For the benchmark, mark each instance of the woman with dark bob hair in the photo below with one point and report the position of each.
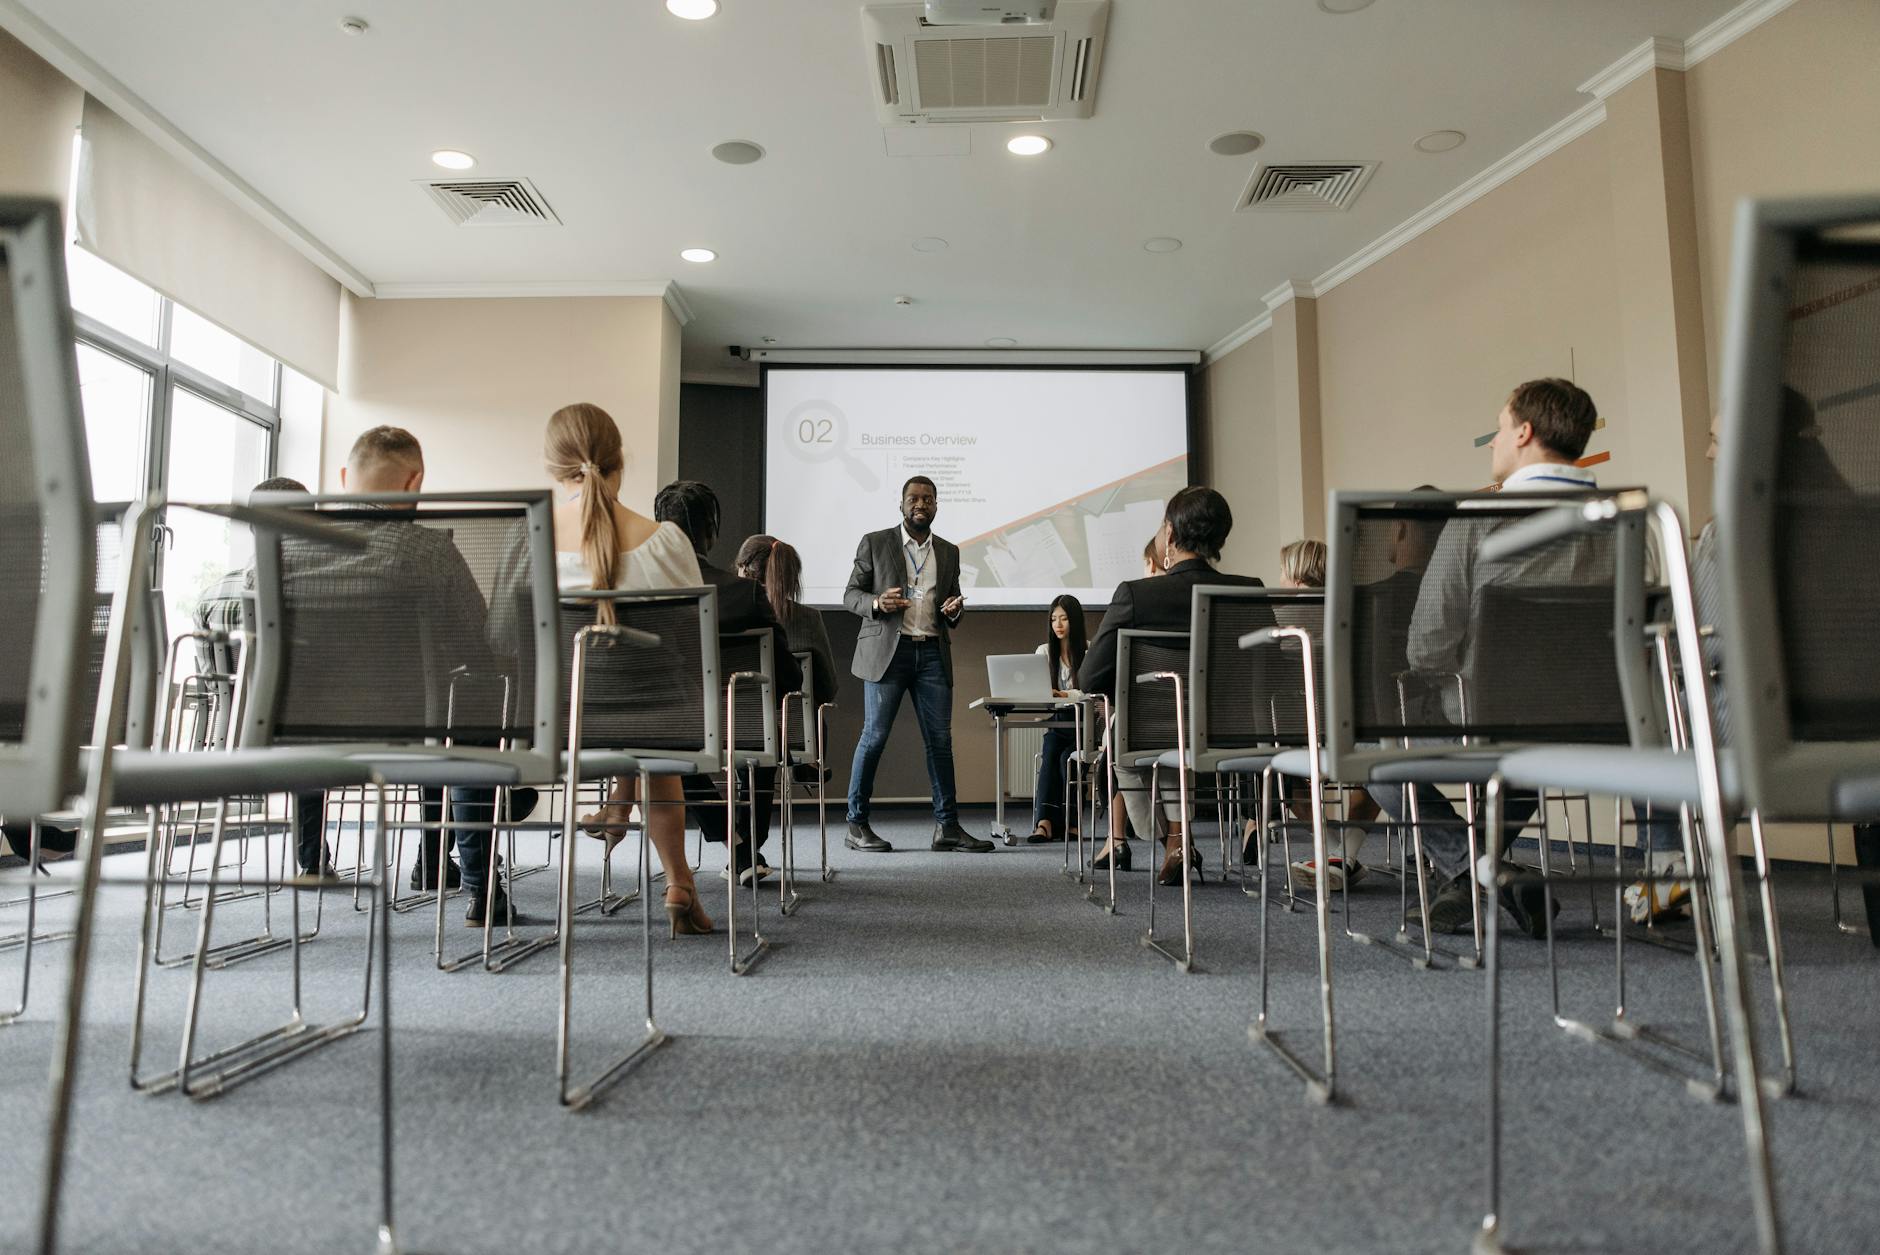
(1065, 647)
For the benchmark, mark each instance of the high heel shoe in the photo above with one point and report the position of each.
(686, 916)
(1171, 873)
(609, 823)
(1118, 850)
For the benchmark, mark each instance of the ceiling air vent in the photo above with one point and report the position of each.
(492, 203)
(985, 72)
(1306, 186)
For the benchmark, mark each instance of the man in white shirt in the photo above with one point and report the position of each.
(906, 589)
(1540, 433)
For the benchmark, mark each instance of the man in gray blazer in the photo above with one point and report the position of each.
(906, 588)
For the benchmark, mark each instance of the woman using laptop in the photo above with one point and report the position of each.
(1064, 647)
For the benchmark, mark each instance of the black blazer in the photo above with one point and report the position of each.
(880, 564)
(742, 606)
(1162, 602)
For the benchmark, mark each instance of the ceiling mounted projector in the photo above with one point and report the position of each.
(988, 12)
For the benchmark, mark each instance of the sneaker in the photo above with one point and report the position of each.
(1339, 872)
(500, 910)
(757, 871)
(453, 875)
(1452, 909)
(1651, 900)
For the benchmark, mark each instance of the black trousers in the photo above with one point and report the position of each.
(706, 805)
(1867, 854)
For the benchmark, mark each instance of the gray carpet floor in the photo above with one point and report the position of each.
(945, 1053)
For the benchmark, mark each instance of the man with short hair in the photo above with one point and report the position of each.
(384, 459)
(905, 588)
(692, 507)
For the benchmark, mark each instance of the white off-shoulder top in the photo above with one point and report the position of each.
(663, 560)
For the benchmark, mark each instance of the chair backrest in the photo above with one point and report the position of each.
(801, 729)
(442, 627)
(645, 700)
(1243, 698)
(1145, 712)
(136, 724)
(752, 651)
(47, 537)
(1798, 500)
(1426, 641)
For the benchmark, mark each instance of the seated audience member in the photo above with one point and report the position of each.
(742, 607)
(1302, 564)
(777, 570)
(222, 609)
(1194, 528)
(421, 567)
(1540, 432)
(1065, 648)
(601, 544)
(1118, 846)
(1152, 557)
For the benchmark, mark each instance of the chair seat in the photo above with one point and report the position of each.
(1211, 762)
(603, 764)
(1858, 797)
(1247, 763)
(440, 769)
(1458, 768)
(1299, 763)
(155, 778)
(1661, 777)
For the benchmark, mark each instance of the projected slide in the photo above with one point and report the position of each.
(1050, 481)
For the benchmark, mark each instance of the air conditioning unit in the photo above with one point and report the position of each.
(1005, 72)
(987, 12)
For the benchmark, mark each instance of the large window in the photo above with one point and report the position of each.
(174, 404)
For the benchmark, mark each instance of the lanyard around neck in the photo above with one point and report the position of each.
(909, 548)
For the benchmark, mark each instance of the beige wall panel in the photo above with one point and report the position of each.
(1417, 353)
(40, 109)
(1237, 424)
(475, 381)
(1792, 109)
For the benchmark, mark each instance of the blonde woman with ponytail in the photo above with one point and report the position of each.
(600, 543)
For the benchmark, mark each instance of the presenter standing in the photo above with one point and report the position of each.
(906, 589)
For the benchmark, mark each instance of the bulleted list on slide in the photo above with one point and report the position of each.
(1050, 481)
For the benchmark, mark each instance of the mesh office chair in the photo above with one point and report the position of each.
(805, 744)
(1151, 684)
(47, 565)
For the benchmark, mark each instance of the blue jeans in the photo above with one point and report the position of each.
(916, 669)
(1446, 841)
(1053, 778)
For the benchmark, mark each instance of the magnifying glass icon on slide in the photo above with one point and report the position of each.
(817, 432)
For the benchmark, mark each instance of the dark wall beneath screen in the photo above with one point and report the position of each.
(721, 443)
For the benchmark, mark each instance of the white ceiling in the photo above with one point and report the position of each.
(612, 106)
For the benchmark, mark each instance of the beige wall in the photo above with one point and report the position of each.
(475, 380)
(1237, 398)
(40, 108)
(1792, 109)
(1417, 353)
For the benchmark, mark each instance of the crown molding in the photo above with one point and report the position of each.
(1237, 337)
(665, 289)
(1292, 289)
(1729, 28)
(65, 57)
(1657, 53)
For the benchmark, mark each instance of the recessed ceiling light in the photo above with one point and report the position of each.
(1340, 7)
(692, 10)
(1028, 145)
(1440, 141)
(1161, 244)
(738, 152)
(452, 159)
(1001, 342)
(698, 254)
(1236, 143)
(931, 244)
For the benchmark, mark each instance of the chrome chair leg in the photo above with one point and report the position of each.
(1772, 935)
(1322, 1085)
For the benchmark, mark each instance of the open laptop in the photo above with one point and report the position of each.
(1018, 677)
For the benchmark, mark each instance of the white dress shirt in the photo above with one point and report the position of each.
(922, 576)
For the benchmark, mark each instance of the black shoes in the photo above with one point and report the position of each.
(862, 837)
(1171, 873)
(950, 836)
(500, 910)
(425, 877)
(1119, 852)
(1452, 909)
